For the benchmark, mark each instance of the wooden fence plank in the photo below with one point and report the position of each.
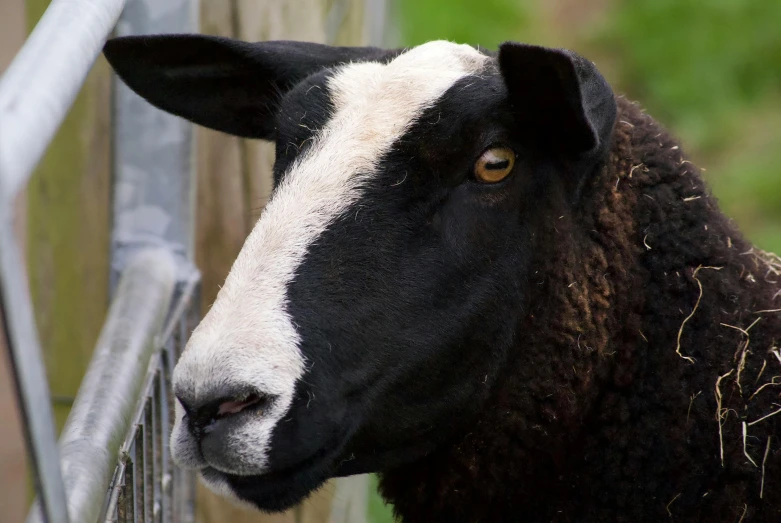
(235, 182)
(221, 220)
(222, 224)
(13, 452)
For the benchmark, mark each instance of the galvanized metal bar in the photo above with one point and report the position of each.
(157, 442)
(161, 442)
(115, 506)
(154, 191)
(166, 472)
(106, 402)
(148, 477)
(151, 419)
(183, 322)
(41, 83)
(138, 478)
(30, 376)
(59, 52)
(154, 202)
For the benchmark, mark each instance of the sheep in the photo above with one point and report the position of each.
(484, 276)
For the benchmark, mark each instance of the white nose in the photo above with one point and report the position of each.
(231, 391)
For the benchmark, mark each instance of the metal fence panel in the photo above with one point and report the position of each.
(41, 83)
(146, 485)
(113, 450)
(30, 375)
(124, 401)
(154, 189)
(104, 407)
(59, 52)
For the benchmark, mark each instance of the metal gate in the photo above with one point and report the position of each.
(112, 461)
(116, 433)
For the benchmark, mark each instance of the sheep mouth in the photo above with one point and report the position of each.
(279, 490)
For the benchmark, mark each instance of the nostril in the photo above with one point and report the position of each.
(202, 417)
(235, 406)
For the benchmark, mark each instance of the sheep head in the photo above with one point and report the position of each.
(372, 308)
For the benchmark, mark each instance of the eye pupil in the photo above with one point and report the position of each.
(497, 166)
(494, 165)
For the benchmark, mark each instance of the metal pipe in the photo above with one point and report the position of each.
(154, 175)
(106, 402)
(35, 93)
(30, 375)
(41, 83)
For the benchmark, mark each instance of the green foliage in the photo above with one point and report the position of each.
(379, 512)
(696, 62)
(711, 70)
(486, 23)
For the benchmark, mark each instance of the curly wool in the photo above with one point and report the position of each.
(645, 356)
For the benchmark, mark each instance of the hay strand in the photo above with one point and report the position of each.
(764, 460)
(721, 415)
(745, 508)
(696, 306)
(745, 452)
(766, 416)
(671, 502)
(744, 351)
(691, 402)
(761, 371)
(771, 383)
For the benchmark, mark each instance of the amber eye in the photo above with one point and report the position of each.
(494, 165)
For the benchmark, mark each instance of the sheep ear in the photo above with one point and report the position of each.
(224, 84)
(559, 98)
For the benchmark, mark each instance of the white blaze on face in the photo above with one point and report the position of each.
(247, 338)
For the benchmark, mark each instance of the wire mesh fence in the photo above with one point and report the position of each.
(147, 486)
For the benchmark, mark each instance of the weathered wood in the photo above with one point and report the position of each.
(272, 20)
(234, 184)
(13, 453)
(222, 224)
(221, 218)
(351, 500)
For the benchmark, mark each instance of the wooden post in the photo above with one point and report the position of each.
(13, 452)
(234, 183)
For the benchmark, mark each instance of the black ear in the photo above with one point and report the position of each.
(224, 84)
(560, 99)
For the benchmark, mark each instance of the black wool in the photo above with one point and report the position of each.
(643, 381)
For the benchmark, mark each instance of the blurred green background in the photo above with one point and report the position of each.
(709, 70)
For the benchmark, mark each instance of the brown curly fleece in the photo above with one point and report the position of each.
(603, 415)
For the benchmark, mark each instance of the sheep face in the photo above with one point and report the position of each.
(371, 309)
